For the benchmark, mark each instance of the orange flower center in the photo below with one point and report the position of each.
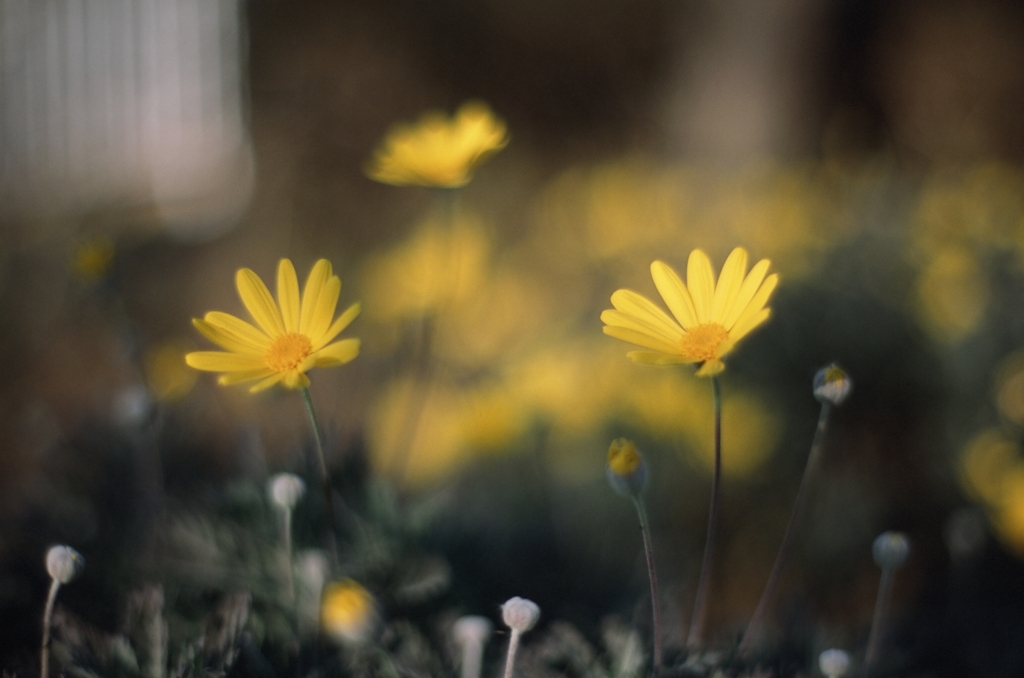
(288, 352)
(701, 342)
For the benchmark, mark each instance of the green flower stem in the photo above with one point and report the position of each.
(325, 478)
(47, 622)
(290, 577)
(696, 636)
(878, 620)
(810, 470)
(652, 575)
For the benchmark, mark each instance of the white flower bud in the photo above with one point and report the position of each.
(472, 630)
(520, 614)
(286, 489)
(891, 549)
(471, 633)
(832, 384)
(63, 563)
(834, 663)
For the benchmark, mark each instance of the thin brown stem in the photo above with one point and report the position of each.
(696, 636)
(768, 596)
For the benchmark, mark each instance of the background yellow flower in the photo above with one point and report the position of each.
(437, 150)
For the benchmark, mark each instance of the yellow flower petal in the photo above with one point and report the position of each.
(295, 379)
(323, 314)
(758, 301)
(746, 325)
(288, 295)
(654, 358)
(338, 326)
(268, 382)
(639, 306)
(700, 280)
(318, 277)
(620, 319)
(729, 282)
(673, 291)
(239, 329)
(224, 339)
(640, 339)
(240, 377)
(746, 293)
(710, 368)
(218, 361)
(258, 302)
(338, 353)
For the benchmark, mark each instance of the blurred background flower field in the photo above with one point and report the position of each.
(873, 151)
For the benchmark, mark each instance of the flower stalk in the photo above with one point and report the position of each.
(696, 636)
(768, 596)
(831, 387)
(652, 575)
(890, 551)
(325, 478)
(520, 615)
(63, 564)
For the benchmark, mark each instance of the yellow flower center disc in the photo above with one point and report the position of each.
(623, 457)
(288, 351)
(701, 342)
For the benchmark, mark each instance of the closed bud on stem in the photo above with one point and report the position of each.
(627, 469)
(890, 550)
(832, 384)
(834, 663)
(286, 489)
(520, 614)
(64, 563)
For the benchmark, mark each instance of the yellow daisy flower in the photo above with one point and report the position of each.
(348, 612)
(438, 151)
(709, 319)
(292, 337)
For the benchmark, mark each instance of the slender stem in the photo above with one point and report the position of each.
(472, 659)
(645, 529)
(47, 621)
(290, 577)
(696, 636)
(878, 621)
(325, 479)
(810, 470)
(513, 646)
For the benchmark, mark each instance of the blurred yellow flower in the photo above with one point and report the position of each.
(457, 424)
(1010, 388)
(989, 459)
(439, 265)
(438, 151)
(292, 337)
(167, 376)
(953, 293)
(348, 612)
(92, 259)
(711, 319)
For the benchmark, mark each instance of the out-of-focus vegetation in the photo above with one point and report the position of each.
(871, 151)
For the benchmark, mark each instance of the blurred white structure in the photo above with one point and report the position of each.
(124, 105)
